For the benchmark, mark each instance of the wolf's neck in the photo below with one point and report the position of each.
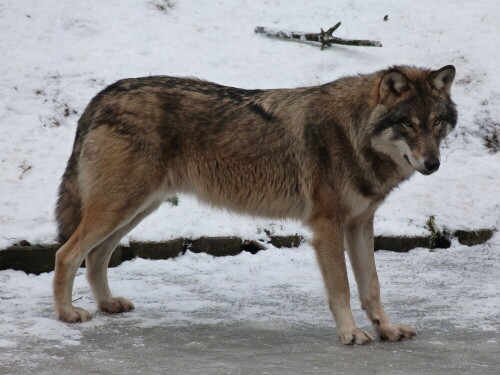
(384, 173)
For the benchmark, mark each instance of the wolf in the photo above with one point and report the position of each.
(327, 155)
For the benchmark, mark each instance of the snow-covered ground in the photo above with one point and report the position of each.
(57, 55)
(262, 301)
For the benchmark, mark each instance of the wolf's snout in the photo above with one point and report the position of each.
(432, 165)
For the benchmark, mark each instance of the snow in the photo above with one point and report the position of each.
(56, 56)
(441, 291)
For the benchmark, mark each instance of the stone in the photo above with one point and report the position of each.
(217, 246)
(285, 241)
(30, 259)
(158, 250)
(473, 237)
(401, 244)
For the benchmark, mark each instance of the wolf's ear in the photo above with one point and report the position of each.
(393, 83)
(443, 78)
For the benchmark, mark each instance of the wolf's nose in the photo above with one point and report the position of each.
(432, 165)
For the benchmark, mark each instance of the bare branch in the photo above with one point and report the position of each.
(325, 38)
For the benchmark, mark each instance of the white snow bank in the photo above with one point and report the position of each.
(56, 55)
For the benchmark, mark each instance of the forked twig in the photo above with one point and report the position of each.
(325, 38)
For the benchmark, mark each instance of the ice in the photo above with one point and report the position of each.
(228, 312)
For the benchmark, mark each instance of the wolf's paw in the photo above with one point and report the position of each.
(395, 332)
(116, 305)
(74, 315)
(355, 336)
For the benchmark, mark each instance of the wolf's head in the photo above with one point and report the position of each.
(414, 112)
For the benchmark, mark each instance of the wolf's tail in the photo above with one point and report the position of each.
(69, 203)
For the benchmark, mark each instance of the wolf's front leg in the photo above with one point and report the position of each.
(328, 243)
(360, 247)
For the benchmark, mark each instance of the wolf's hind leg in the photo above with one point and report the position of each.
(91, 231)
(96, 263)
(68, 258)
(119, 177)
(97, 267)
(100, 220)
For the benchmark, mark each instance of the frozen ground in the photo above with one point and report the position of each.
(263, 313)
(57, 55)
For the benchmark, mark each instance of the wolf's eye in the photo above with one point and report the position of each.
(437, 121)
(407, 124)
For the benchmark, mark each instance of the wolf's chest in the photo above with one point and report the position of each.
(358, 204)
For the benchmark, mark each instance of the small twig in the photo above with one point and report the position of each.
(79, 298)
(452, 151)
(355, 42)
(25, 169)
(325, 38)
